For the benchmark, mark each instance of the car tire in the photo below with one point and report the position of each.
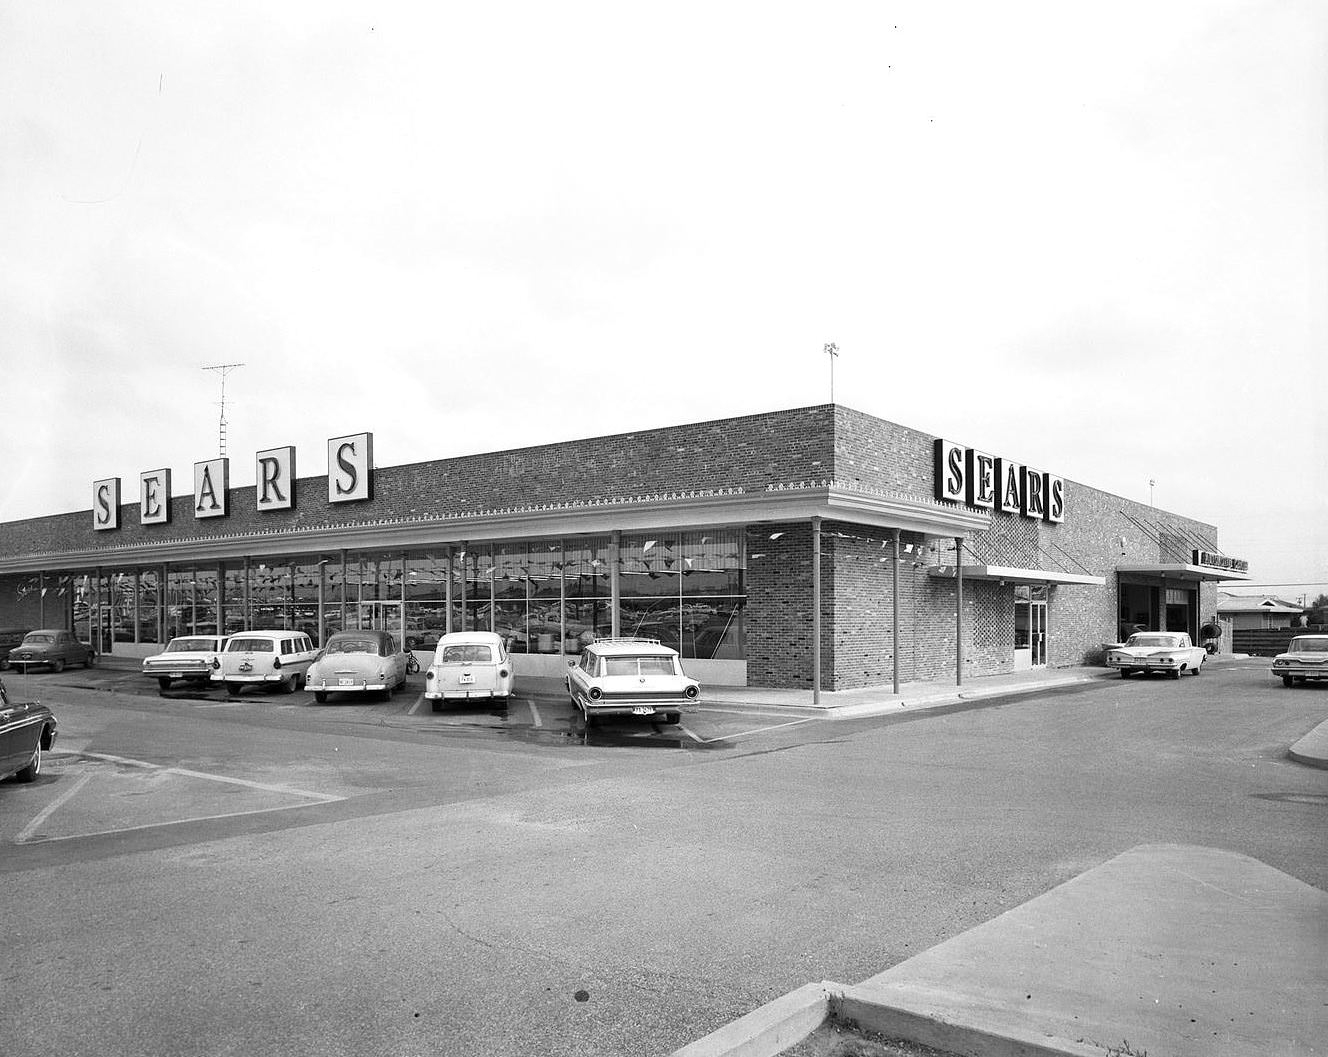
(673, 717)
(1175, 673)
(1198, 668)
(58, 665)
(1125, 673)
(233, 689)
(30, 772)
(4, 664)
(320, 696)
(89, 660)
(163, 682)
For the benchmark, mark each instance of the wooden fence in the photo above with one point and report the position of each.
(1269, 642)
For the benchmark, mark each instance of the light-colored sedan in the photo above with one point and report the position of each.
(188, 657)
(1306, 660)
(356, 662)
(1171, 652)
(469, 665)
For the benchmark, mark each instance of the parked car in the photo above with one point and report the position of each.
(630, 677)
(9, 638)
(1157, 651)
(27, 730)
(188, 657)
(468, 665)
(356, 662)
(51, 648)
(278, 657)
(1305, 660)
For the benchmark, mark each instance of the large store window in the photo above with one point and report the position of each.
(686, 591)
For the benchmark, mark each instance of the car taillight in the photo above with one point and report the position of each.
(216, 662)
(428, 675)
(691, 692)
(596, 693)
(276, 663)
(502, 673)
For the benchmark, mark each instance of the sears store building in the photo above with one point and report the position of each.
(815, 547)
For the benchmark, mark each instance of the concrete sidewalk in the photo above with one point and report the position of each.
(1172, 950)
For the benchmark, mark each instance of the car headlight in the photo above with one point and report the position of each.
(596, 693)
(691, 692)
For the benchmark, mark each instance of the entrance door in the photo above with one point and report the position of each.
(1030, 627)
(382, 616)
(102, 637)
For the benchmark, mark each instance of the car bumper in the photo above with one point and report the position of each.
(1302, 671)
(179, 673)
(343, 688)
(608, 706)
(1145, 665)
(247, 677)
(462, 694)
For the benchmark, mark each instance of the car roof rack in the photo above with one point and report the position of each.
(637, 639)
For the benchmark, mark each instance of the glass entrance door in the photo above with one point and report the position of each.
(382, 616)
(1030, 627)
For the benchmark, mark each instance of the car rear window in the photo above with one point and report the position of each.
(1309, 646)
(469, 653)
(638, 666)
(1154, 640)
(243, 645)
(353, 646)
(190, 645)
(38, 638)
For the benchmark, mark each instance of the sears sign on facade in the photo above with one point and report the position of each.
(349, 479)
(966, 475)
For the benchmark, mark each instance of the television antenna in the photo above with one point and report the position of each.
(224, 369)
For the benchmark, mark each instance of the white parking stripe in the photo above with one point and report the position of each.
(50, 809)
(758, 730)
(534, 714)
(325, 798)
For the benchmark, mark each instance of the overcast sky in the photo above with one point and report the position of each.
(1090, 237)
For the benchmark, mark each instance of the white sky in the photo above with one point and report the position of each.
(1090, 237)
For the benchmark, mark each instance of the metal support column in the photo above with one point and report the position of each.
(615, 553)
(959, 611)
(447, 595)
(894, 628)
(816, 610)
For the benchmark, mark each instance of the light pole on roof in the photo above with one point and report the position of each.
(832, 350)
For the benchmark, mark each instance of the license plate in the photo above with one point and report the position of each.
(642, 710)
(345, 682)
(465, 677)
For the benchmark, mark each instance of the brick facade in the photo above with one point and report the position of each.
(750, 456)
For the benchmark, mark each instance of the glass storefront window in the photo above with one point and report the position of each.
(711, 563)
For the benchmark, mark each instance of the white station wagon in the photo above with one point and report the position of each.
(469, 665)
(630, 677)
(1157, 651)
(1306, 660)
(278, 657)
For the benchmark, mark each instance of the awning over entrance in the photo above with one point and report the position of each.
(1183, 571)
(1010, 575)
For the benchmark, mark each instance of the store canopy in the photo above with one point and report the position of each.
(1010, 575)
(1184, 571)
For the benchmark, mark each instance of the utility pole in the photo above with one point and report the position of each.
(224, 369)
(1151, 482)
(832, 350)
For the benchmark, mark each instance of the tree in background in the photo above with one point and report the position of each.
(1318, 611)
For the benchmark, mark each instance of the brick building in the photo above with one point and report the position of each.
(781, 549)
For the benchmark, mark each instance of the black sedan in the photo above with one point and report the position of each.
(51, 648)
(27, 730)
